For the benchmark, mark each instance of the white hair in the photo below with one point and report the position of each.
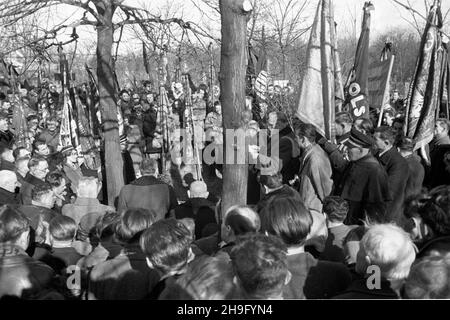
(87, 187)
(390, 248)
(7, 180)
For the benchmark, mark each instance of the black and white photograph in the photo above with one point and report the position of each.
(245, 151)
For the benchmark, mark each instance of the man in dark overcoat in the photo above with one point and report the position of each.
(364, 182)
(396, 168)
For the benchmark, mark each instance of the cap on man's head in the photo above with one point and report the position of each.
(359, 140)
(66, 149)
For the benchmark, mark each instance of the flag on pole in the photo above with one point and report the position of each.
(338, 82)
(251, 69)
(425, 92)
(317, 91)
(378, 85)
(262, 71)
(262, 58)
(357, 83)
(444, 111)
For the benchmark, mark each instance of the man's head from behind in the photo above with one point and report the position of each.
(8, 180)
(14, 227)
(88, 187)
(62, 229)
(239, 220)
(287, 218)
(166, 244)
(43, 196)
(435, 211)
(133, 222)
(149, 167)
(260, 265)
(335, 208)
(429, 278)
(198, 189)
(387, 247)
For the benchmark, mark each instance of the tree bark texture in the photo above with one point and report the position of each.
(233, 66)
(108, 104)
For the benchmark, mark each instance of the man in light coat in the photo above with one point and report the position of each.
(315, 169)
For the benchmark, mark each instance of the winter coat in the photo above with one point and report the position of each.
(364, 184)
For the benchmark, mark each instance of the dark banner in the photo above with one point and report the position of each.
(357, 84)
(425, 91)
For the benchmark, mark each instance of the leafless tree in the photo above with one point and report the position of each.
(107, 16)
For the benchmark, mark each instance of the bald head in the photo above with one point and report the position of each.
(239, 220)
(198, 189)
(8, 180)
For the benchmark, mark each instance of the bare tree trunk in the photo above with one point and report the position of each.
(108, 105)
(232, 87)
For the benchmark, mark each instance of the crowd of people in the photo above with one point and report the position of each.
(362, 217)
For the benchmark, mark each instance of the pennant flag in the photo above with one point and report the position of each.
(357, 84)
(378, 84)
(444, 111)
(251, 69)
(261, 65)
(317, 91)
(425, 92)
(93, 103)
(338, 82)
(65, 133)
(261, 83)
(262, 71)
(19, 123)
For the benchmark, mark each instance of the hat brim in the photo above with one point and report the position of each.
(351, 144)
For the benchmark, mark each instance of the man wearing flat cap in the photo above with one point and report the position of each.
(364, 182)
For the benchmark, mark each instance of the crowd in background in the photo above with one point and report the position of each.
(314, 227)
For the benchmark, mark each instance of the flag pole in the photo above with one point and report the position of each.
(386, 90)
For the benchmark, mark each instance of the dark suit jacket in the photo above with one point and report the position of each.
(199, 209)
(126, 277)
(149, 193)
(416, 175)
(364, 184)
(359, 290)
(21, 275)
(7, 197)
(313, 279)
(6, 139)
(438, 174)
(397, 170)
(289, 153)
